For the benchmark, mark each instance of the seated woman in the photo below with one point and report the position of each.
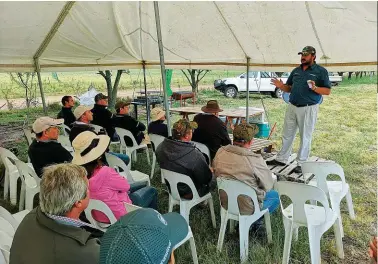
(157, 125)
(105, 183)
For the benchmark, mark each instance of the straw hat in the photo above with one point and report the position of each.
(88, 147)
(211, 107)
(157, 113)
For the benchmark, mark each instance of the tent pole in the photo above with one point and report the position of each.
(38, 69)
(145, 92)
(247, 100)
(162, 66)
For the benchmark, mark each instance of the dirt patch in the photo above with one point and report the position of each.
(11, 132)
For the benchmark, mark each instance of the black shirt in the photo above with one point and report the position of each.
(131, 124)
(45, 153)
(158, 128)
(67, 115)
(103, 117)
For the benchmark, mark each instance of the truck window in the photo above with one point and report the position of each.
(252, 74)
(265, 75)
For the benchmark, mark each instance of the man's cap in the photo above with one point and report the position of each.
(307, 50)
(123, 103)
(245, 132)
(100, 96)
(81, 109)
(212, 106)
(157, 113)
(143, 236)
(182, 126)
(45, 122)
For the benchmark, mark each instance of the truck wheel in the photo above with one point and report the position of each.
(277, 93)
(230, 92)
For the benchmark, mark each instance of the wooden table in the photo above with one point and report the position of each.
(231, 112)
(182, 96)
(285, 173)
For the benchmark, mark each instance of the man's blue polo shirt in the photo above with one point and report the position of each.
(300, 93)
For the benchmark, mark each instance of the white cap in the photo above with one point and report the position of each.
(45, 122)
(81, 109)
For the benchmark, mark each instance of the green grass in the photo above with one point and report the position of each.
(346, 132)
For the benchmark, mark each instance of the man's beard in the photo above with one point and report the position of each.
(306, 62)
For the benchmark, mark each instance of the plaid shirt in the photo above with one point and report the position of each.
(68, 221)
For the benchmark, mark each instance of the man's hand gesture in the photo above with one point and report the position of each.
(278, 83)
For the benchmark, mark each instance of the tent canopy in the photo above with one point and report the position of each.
(79, 36)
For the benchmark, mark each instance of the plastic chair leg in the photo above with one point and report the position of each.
(148, 156)
(29, 198)
(243, 237)
(232, 226)
(193, 250)
(185, 211)
(170, 204)
(6, 184)
(153, 165)
(350, 205)
(314, 241)
(338, 237)
(21, 204)
(13, 188)
(222, 230)
(211, 205)
(268, 227)
(288, 237)
(295, 233)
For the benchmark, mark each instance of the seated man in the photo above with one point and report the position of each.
(45, 149)
(123, 120)
(147, 237)
(157, 125)
(211, 130)
(52, 232)
(102, 116)
(178, 154)
(66, 112)
(238, 162)
(84, 117)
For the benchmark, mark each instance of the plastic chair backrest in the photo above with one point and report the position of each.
(97, 128)
(233, 189)
(204, 149)
(299, 194)
(321, 170)
(28, 175)
(4, 214)
(131, 207)
(66, 130)
(156, 140)
(99, 206)
(174, 178)
(5, 154)
(122, 133)
(5, 245)
(64, 141)
(29, 135)
(117, 164)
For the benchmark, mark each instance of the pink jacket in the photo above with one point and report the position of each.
(108, 186)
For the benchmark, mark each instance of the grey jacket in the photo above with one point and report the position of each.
(185, 158)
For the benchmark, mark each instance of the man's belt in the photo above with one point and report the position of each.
(302, 105)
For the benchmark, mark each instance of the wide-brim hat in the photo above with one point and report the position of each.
(143, 236)
(157, 113)
(88, 147)
(211, 107)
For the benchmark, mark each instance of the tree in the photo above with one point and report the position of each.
(195, 77)
(112, 89)
(26, 81)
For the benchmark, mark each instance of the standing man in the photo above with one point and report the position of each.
(102, 116)
(66, 112)
(306, 85)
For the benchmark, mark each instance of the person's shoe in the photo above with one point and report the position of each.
(275, 163)
(298, 169)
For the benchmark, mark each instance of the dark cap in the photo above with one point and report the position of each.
(307, 50)
(100, 96)
(245, 132)
(123, 103)
(143, 236)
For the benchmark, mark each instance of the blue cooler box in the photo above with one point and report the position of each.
(264, 130)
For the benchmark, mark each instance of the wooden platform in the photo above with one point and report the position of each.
(285, 173)
(258, 144)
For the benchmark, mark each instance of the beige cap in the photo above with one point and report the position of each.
(81, 109)
(44, 122)
(157, 113)
(88, 146)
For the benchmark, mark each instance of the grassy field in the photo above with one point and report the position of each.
(346, 132)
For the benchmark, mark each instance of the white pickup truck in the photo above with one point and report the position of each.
(258, 82)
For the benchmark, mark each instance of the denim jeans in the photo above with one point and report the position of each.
(143, 196)
(271, 201)
(123, 157)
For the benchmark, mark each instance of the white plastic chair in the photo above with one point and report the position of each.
(131, 176)
(173, 179)
(30, 136)
(318, 219)
(204, 149)
(65, 129)
(98, 205)
(234, 189)
(130, 151)
(11, 175)
(335, 190)
(30, 185)
(99, 128)
(156, 140)
(65, 142)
